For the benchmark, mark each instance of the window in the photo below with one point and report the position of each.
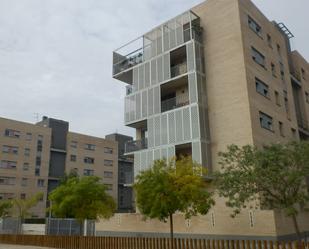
(108, 174)
(73, 158)
(6, 196)
(7, 180)
(12, 133)
(89, 147)
(108, 150)
(38, 161)
(73, 144)
(281, 130)
(88, 172)
(261, 87)
(269, 41)
(307, 97)
(108, 162)
(10, 149)
(27, 152)
(28, 136)
(273, 69)
(40, 183)
(277, 97)
(254, 26)
(286, 102)
(293, 132)
(24, 181)
(303, 73)
(39, 146)
(89, 160)
(251, 219)
(282, 70)
(258, 57)
(26, 166)
(279, 49)
(8, 164)
(266, 121)
(23, 196)
(40, 137)
(37, 171)
(109, 186)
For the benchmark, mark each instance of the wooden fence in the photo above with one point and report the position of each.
(78, 242)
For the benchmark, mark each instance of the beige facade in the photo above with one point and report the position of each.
(256, 93)
(25, 160)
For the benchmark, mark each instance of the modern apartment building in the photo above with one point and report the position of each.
(125, 174)
(218, 74)
(34, 157)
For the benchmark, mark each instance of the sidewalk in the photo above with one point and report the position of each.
(6, 246)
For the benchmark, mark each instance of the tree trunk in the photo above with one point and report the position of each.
(296, 229)
(172, 230)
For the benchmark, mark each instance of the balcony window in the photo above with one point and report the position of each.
(10, 149)
(29, 136)
(7, 180)
(73, 158)
(277, 97)
(273, 69)
(40, 183)
(89, 147)
(108, 150)
(178, 61)
(89, 160)
(5, 164)
(266, 121)
(261, 88)
(269, 41)
(254, 26)
(26, 166)
(12, 133)
(135, 145)
(73, 144)
(108, 174)
(88, 172)
(258, 57)
(108, 162)
(27, 152)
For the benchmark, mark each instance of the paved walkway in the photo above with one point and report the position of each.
(5, 246)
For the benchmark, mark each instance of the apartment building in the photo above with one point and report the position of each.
(125, 174)
(34, 157)
(218, 74)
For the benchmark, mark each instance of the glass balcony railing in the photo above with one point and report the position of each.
(178, 69)
(173, 103)
(136, 145)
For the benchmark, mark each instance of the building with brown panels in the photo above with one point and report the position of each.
(34, 157)
(218, 74)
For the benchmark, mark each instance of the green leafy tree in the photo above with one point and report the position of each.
(23, 206)
(5, 208)
(82, 198)
(170, 187)
(273, 177)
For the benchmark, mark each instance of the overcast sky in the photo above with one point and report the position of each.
(56, 55)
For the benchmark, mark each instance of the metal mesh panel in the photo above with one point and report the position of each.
(138, 106)
(126, 109)
(170, 152)
(195, 122)
(166, 38)
(173, 38)
(160, 69)
(143, 161)
(150, 158)
(171, 127)
(164, 153)
(202, 122)
(196, 152)
(137, 166)
(144, 104)
(141, 79)
(179, 31)
(179, 131)
(132, 108)
(135, 78)
(186, 124)
(156, 154)
(153, 48)
(154, 72)
(164, 135)
(157, 131)
(204, 155)
(150, 101)
(166, 65)
(159, 45)
(157, 101)
(150, 133)
(198, 57)
(147, 74)
(190, 57)
(192, 88)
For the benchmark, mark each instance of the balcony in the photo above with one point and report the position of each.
(136, 145)
(179, 69)
(173, 103)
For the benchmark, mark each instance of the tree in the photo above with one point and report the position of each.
(82, 198)
(170, 187)
(23, 206)
(274, 177)
(5, 208)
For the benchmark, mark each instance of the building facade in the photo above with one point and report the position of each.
(218, 74)
(34, 157)
(125, 174)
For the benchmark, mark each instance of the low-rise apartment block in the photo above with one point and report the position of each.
(34, 157)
